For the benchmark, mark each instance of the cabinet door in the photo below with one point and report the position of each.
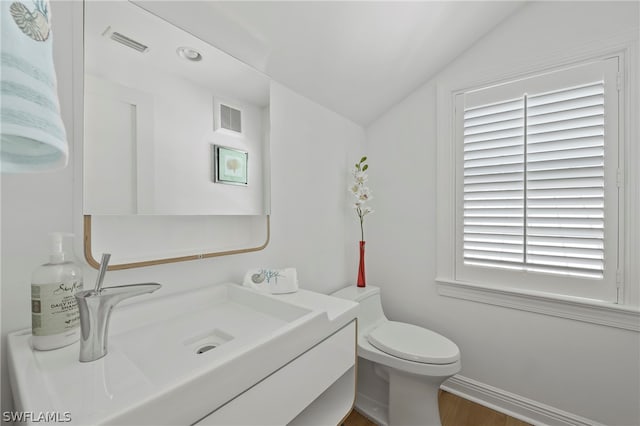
(280, 397)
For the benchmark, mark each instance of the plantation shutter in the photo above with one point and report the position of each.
(538, 188)
(534, 182)
(565, 181)
(494, 185)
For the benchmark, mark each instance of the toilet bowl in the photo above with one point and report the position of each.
(412, 360)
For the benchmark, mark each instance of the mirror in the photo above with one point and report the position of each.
(172, 125)
(174, 136)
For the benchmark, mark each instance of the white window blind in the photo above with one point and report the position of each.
(494, 184)
(565, 181)
(533, 172)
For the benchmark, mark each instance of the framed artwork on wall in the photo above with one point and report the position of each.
(230, 165)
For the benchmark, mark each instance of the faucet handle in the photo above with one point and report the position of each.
(104, 263)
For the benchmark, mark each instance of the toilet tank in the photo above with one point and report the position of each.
(370, 309)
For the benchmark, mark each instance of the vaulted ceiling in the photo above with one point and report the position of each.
(355, 58)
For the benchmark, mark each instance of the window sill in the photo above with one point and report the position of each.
(611, 315)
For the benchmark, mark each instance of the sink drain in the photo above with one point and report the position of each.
(204, 342)
(205, 348)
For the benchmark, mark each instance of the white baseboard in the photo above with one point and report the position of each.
(513, 405)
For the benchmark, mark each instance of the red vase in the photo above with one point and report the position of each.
(362, 281)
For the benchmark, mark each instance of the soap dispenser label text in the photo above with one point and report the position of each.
(54, 308)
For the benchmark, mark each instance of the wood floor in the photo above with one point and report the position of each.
(454, 411)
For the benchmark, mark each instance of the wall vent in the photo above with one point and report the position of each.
(230, 118)
(129, 42)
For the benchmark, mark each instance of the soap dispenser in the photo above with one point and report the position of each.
(55, 321)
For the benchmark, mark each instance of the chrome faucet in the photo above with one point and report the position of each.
(95, 308)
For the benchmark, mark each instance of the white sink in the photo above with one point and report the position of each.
(174, 359)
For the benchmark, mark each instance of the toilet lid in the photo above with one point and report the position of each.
(413, 343)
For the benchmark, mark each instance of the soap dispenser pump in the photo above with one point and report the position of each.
(55, 321)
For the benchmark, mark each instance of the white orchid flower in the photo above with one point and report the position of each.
(361, 178)
(361, 192)
(364, 194)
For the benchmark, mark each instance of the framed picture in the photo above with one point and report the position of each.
(230, 165)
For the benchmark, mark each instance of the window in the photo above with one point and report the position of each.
(537, 192)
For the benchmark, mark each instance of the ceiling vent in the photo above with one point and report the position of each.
(129, 42)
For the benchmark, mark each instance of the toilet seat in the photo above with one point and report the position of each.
(413, 343)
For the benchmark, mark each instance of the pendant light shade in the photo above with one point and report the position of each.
(33, 134)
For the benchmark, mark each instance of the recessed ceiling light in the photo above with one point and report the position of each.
(189, 54)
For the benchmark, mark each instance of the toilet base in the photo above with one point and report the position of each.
(413, 400)
(374, 410)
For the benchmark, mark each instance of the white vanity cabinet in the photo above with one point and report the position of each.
(317, 387)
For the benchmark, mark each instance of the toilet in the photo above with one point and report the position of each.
(411, 361)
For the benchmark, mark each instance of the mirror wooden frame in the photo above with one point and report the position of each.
(91, 260)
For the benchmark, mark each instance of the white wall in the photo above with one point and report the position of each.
(585, 369)
(311, 148)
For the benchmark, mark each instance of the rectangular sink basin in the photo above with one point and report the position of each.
(170, 360)
(230, 317)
